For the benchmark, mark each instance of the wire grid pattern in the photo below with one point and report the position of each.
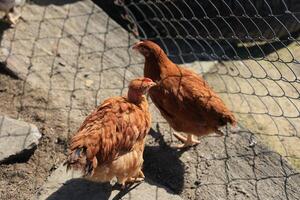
(255, 44)
(75, 56)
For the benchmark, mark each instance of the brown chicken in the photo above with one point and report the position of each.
(184, 99)
(111, 140)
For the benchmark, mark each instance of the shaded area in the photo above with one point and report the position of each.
(80, 189)
(7, 71)
(210, 30)
(118, 13)
(183, 51)
(21, 157)
(3, 69)
(3, 26)
(69, 185)
(218, 168)
(162, 163)
(233, 20)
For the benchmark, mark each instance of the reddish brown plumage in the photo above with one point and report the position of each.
(184, 99)
(110, 141)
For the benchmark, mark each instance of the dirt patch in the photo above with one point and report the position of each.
(20, 180)
(73, 61)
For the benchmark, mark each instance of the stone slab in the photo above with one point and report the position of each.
(16, 137)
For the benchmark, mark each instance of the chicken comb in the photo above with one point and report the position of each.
(137, 44)
(147, 80)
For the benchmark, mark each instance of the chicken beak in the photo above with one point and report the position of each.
(152, 84)
(149, 86)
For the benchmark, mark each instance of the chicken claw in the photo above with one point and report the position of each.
(188, 141)
(140, 177)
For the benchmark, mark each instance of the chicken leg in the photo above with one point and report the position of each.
(126, 181)
(188, 141)
(140, 177)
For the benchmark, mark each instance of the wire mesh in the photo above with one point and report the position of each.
(70, 55)
(255, 44)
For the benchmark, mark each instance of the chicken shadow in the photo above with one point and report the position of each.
(162, 164)
(80, 189)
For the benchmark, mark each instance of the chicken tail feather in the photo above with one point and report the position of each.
(78, 160)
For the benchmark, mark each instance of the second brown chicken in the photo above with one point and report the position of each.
(184, 98)
(111, 140)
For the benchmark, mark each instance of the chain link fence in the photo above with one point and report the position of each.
(255, 44)
(65, 57)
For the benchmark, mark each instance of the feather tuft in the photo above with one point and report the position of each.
(78, 160)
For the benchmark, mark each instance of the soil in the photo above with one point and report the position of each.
(69, 56)
(21, 180)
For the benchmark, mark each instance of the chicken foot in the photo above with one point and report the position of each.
(126, 181)
(188, 141)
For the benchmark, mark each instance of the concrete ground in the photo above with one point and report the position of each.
(66, 57)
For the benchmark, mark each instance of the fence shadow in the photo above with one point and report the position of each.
(186, 39)
(118, 14)
(183, 51)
